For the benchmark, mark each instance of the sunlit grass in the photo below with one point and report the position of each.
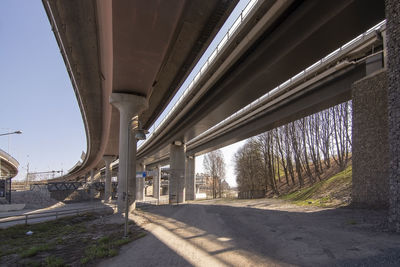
(307, 196)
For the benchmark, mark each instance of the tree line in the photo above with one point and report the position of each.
(295, 151)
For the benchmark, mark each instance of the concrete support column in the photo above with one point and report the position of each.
(156, 183)
(129, 107)
(91, 189)
(190, 178)
(140, 183)
(370, 142)
(92, 173)
(177, 176)
(107, 185)
(393, 64)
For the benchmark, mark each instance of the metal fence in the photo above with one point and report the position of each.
(250, 194)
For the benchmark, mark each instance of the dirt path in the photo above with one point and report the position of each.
(259, 232)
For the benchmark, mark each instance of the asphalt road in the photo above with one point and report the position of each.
(50, 212)
(259, 233)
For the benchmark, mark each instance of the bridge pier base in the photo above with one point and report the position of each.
(393, 56)
(129, 107)
(190, 178)
(376, 129)
(370, 142)
(177, 177)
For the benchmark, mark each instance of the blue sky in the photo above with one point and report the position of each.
(37, 96)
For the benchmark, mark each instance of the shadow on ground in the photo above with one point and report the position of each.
(208, 233)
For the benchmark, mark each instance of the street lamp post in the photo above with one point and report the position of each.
(16, 132)
(139, 134)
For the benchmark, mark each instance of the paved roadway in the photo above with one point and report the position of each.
(259, 233)
(59, 207)
(52, 210)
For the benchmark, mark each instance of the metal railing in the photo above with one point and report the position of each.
(52, 214)
(161, 201)
(210, 60)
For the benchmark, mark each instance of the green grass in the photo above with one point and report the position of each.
(53, 261)
(45, 236)
(32, 251)
(51, 238)
(32, 263)
(107, 246)
(352, 222)
(309, 196)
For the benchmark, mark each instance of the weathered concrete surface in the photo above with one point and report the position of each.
(107, 186)
(177, 177)
(33, 199)
(190, 181)
(11, 207)
(370, 142)
(393, 53)
(266, 232)
(157, 183)
(129, 106)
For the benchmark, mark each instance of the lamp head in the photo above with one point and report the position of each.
(141, 134)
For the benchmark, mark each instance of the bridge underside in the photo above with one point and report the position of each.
(144, 48)
(297, 39)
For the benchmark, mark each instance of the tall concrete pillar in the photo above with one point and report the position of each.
(91, 189)
(129, 107)
(190, 178)
(177, 176)
(140, 183)
(393, 56)
(156, 183)
(107, 185)
(92, 174)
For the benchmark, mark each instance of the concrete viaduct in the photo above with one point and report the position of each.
(135, 55)
(8, 170)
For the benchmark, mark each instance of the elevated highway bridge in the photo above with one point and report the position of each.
(135, 55)
(8, 170)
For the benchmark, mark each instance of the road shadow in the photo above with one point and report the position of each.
(333, 237)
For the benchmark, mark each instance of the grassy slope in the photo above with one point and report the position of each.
(331, 192)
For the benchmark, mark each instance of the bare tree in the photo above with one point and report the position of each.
(302, 149)
(249, 175)
(265, 142)
(214, 166)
